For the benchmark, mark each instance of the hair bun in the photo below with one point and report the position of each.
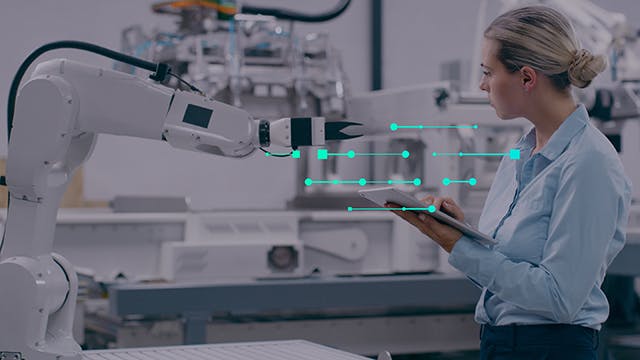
(584, 67)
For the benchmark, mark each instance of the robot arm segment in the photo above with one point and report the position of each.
(120, 104)
(58, 115)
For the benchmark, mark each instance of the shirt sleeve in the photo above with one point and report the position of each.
(585, 218)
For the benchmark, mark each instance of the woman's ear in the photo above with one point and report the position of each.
(529, 78)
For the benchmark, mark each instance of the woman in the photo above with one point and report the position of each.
(559, 213)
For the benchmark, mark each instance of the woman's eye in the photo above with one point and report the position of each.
(485, 73)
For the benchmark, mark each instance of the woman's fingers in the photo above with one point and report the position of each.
(437, 202)
(453, 209)
(428, 199)
(442, 234)
(445, 204)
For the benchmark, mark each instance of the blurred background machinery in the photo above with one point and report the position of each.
(157, 273)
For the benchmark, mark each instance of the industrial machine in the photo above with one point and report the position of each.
(53, 124)
(204, 246)
(248, 56)
(239, 245)
(255, 60)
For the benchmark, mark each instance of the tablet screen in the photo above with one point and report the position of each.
(384, 195)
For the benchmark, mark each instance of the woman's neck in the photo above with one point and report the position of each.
(551, 112)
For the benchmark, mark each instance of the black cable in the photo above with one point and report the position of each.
(160, 70)
(182, 81)
(285, 14)
(275, 155)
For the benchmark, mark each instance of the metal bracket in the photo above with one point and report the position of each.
(195, 327)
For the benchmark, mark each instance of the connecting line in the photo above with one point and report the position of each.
(396, 127)
(323, 154)
(514, 154)
(471, 181)
(430, 208)
(461, 154)
(336, 182)
(362, 182)
(416, 182)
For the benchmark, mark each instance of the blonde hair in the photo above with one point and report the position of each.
(542, 38)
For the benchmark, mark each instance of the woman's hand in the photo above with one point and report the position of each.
(445, 235)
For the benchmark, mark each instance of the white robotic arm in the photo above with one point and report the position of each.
(58, 114)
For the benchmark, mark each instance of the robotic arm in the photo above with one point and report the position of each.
(58, 114)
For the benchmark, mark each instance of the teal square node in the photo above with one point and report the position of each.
(323, 154)
(295, 154)
(514, 154)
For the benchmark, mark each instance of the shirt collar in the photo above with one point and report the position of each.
(528, 141)
(560, 138)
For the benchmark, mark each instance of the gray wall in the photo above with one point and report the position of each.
(419, 35)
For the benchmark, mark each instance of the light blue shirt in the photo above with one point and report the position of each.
(559, 217)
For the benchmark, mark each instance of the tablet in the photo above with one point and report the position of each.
(384, 195)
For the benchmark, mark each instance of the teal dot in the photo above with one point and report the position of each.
(349, 208)
(431, 209)
(393, 126)
(460, 154)
(351, 154)
(267, 154)
(473, 181)
(404, 208)
(420, 126)
(390, 182)
(405, 154)
(336, 182)
(417, 181)
(446, 181)
(362, 182)
(475, 126)
(308, 182)
(435, 153)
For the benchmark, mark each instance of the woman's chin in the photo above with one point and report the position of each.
(503, 116)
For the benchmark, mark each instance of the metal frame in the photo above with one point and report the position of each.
(197, 302)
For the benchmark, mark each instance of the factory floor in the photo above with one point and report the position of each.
(458, 355)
